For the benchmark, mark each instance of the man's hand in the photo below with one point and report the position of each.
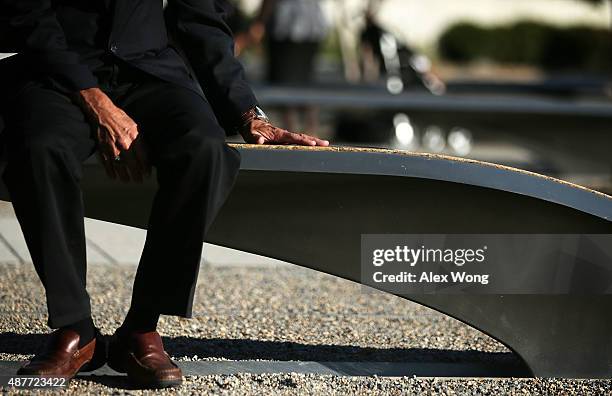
(121, 151)
(258, 131)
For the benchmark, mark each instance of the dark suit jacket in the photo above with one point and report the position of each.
(63, 42)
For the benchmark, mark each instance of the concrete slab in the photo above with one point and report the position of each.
(344, 369)
(124, 245)
(219, 256)
(7, 253)
(13, 238)
(115, 244)
(119, 244)
(13, 247)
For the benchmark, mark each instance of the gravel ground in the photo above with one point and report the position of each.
(296, 384)
(280, 314)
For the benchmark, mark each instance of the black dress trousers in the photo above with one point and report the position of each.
(48, 137)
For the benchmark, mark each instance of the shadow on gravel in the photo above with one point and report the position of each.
(246, 349)
(22, 344)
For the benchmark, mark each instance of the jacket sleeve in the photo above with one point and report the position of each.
(39, 38)
(208, 45)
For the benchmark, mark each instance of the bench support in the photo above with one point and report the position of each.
(316, 203)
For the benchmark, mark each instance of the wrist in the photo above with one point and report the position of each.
(247, 118)
(91, 96)
(254, 113)
(91, 99)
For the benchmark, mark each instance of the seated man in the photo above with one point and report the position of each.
(103, 75)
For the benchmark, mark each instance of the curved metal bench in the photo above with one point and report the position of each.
(309, 206)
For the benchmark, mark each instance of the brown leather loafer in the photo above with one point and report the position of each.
(142, 357)
(63, 358)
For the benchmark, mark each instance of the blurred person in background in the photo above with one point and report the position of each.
(293, 31)
(384, 54)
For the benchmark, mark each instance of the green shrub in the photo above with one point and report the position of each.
(530, 43)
